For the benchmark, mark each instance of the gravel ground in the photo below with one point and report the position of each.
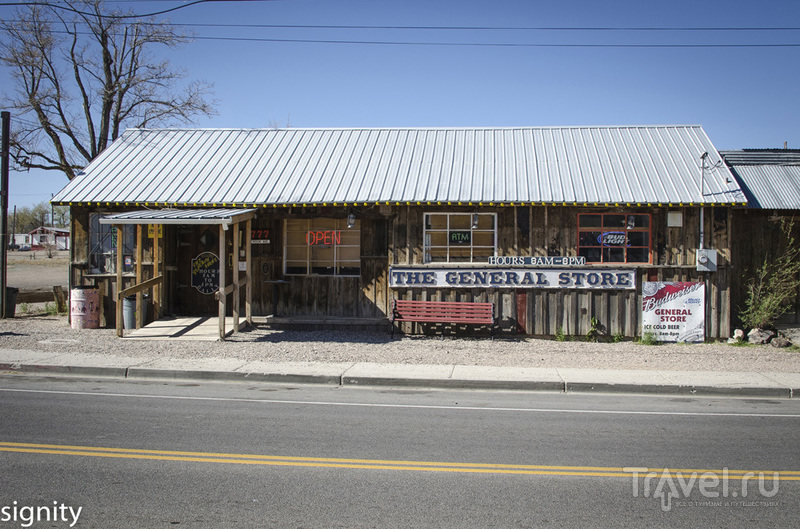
(53, 334)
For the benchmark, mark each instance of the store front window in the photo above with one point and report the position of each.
(103, 247)
(322, 246)
(460, 237)
(614, 237)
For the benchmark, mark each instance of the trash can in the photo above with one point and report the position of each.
(84, 307)
(11, 302)
(129, 311)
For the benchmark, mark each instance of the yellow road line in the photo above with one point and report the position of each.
(380, 464)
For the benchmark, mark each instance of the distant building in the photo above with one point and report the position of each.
(43, 236)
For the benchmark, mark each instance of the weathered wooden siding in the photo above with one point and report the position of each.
(552, 231)
(758, 236)
(81, 275)
(392, 235)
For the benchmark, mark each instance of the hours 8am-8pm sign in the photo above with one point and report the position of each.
(674, 312)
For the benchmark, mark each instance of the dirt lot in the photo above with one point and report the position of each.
(35, 271)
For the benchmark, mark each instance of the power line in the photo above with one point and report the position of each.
(481, 44)
(493, 44)
(57, 5)
(480, 28)
(67, 7)
(469, 28)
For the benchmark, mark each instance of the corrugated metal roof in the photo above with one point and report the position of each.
(770, 178)
(762, 157)
(179, 216)
(637, 164)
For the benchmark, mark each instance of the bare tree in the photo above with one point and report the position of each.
(83, 73)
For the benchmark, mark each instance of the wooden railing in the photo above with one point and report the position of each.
(135, 289)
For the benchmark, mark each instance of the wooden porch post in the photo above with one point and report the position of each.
(248, 274)
(139, 277)
(222, 295)
(119, 280)
(157, 290)
(235, 271)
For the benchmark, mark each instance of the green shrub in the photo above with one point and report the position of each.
(560, 336)
(775, 283)
(648, 338)
(594, 330)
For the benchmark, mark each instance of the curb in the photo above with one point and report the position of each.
(230, 376)
(675, 389)
(143, 373)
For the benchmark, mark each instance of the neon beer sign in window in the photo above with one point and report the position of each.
(323, 237)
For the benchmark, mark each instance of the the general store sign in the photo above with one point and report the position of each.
(674, 312)
(610, 279)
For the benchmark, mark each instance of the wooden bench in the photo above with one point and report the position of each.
(443, 312)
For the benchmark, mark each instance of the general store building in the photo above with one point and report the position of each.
(556, 225)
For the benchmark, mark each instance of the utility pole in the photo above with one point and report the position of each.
(6, 146)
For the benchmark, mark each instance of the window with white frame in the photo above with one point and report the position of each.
(322, 246)
(459, 237)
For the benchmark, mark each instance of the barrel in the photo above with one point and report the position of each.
(84, 307)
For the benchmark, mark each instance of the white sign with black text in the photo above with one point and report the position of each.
(674, 312)
(604, 278)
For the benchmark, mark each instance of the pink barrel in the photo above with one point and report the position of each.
(84, 308)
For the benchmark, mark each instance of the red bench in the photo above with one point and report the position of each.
(443, 312)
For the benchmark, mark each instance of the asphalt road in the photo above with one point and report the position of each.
(160, 454)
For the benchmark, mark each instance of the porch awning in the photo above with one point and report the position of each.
(223, 217)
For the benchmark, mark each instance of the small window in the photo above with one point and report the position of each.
(325, 247)
(103, 247)
(459, 237)
(614, 237)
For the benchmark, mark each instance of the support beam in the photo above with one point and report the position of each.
(222, 295)
(139, 278)
(120, 287)
(235, 272)
(157, 290)
(248, 273)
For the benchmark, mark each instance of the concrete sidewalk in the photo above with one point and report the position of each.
(563, 380)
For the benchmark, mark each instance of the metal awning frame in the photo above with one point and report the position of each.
(207, 217)
(222, 218)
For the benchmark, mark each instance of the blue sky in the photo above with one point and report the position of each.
(744, 97)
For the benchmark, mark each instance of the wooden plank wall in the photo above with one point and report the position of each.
(393, 236)
(552, 231)
(758, 237)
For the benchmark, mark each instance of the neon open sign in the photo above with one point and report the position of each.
(323, 237)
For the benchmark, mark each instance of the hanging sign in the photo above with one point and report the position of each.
(323, 237)
(613, 238)
(205, 272)
(674, 312)
(460, 237)
(609, 279)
